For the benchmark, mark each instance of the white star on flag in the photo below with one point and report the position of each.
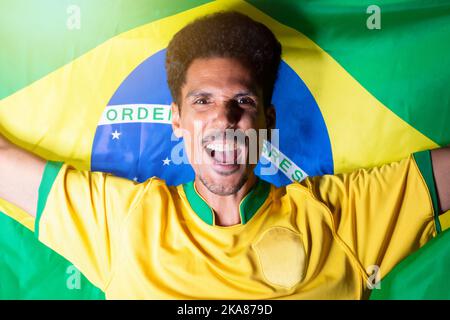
(135, 179)
(116, 135)
(166, 162)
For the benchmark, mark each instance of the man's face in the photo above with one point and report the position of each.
(219, 96)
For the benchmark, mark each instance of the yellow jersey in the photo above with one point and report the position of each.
(327, 237)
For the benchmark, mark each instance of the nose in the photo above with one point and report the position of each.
(228, 114)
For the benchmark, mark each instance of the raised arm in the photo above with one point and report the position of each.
(20, 176)
(441, 169)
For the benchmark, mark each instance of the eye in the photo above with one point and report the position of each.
(246, 101)
(201, 101)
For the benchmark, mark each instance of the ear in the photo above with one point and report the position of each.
(271, 117)
(176, 125)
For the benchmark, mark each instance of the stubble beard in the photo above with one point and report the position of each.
(221, 190)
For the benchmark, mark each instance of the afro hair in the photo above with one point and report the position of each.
(227, 35)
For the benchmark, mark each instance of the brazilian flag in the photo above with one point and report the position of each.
(362, 83)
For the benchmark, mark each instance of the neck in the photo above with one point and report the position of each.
(226, 208)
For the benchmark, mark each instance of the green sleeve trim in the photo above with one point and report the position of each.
(423, 160)
(51, 171)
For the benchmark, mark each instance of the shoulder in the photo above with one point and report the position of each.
(155, 183)
(293, 193)
(98, 182)
(155, 188)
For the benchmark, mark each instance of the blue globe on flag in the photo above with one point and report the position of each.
(134, 138)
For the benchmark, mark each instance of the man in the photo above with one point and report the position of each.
(229, 234)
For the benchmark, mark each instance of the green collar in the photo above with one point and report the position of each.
(247, 208)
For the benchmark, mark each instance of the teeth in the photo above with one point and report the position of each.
(221, 147)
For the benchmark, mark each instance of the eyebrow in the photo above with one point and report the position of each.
(197, 93)
(245, 93)
(200, 93)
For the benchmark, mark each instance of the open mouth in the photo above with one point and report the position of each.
(226, 154)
